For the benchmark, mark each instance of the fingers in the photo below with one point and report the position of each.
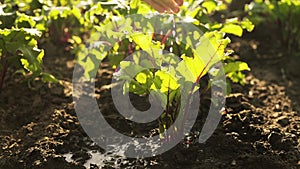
(179, 2)
(157, 7)
(169, 6)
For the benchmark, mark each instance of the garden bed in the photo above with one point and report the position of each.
(260, 128)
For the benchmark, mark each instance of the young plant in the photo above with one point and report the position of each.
(166, 63)
(282, 13)
(19, 47)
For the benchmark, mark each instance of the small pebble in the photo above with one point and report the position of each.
(277, 107)
(275, 115)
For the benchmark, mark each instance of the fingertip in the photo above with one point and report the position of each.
(179, 2)
(176, 10)
(160, 10)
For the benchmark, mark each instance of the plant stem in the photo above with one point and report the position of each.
(166, 36)
(192, 89)
(168, 107)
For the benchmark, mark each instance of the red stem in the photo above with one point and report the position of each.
(193, 86)
(166, 36)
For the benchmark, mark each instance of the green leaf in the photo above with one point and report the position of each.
(134, 3)
(144, 9)
(137, 88)
(90, 65)
(190, 68)
(141, 78)
(24, 21)
(247, 24)
(210, 6)
(128, 70)
(32, 59)
(142, 40)
(233, 29)
(210, 49)
(168, 82)
(236, 66)
(46, 77)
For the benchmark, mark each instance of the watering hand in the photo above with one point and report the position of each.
(169, 6)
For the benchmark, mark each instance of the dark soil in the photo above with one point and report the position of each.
(260, 128)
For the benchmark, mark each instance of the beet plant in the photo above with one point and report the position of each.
(162, 56)
(19, 49)
(281, 13)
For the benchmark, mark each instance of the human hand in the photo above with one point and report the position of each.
(169, 6)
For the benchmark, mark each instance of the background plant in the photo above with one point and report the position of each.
(282, 13)
(19, 47)
(25, 25)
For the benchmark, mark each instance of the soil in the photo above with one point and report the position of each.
(260, 128)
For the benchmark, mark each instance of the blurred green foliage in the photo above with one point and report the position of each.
(284, 14)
